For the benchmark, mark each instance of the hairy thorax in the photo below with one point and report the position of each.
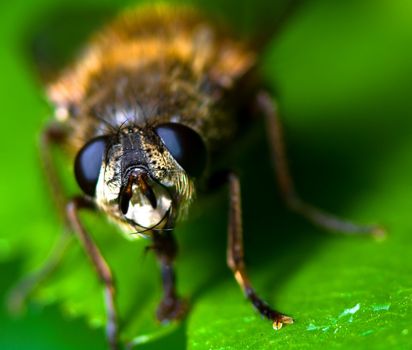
(150, 67)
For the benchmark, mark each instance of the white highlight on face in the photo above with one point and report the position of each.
(125, 116)
(142, 213)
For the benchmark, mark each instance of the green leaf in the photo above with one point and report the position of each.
(344, 76)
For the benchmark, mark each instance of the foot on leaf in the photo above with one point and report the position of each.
(171, 309)
(280, 320)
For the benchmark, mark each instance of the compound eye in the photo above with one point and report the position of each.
(88, 163)
(185, 145)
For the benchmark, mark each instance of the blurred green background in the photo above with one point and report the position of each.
(343, 73)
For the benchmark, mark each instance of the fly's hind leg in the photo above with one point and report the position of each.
(53, 135)
(99, 263)
(287, 187)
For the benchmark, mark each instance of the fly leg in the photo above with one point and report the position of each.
(99, 264)
(53, 135)
(285, 181)
(235, 253)
(171, 307)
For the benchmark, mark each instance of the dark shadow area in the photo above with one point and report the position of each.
(271, 232)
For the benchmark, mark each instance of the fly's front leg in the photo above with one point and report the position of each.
(99, 264)
(171, 307)
(286, 185)
(235, 253)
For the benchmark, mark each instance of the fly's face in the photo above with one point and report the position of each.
(142, 177)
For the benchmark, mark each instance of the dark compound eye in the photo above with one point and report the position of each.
(185, 145)
(88, 163)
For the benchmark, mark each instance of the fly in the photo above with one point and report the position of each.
(144, 113)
